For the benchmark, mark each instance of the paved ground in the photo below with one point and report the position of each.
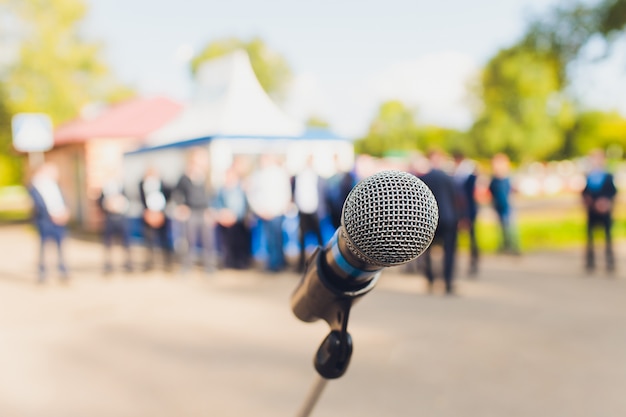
(532, 336)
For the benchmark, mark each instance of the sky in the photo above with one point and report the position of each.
(347, 56)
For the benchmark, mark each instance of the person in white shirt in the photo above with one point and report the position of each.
(269, 196)
(308, 194)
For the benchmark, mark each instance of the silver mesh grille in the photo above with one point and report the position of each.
(390, 218)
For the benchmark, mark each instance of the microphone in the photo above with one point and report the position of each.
(388, 219)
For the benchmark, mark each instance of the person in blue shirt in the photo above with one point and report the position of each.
(501, 191)
(232, 212)
(598, 198)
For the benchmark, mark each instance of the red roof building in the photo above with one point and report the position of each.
(89, 150)
(136, 118)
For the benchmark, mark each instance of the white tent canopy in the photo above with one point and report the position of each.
(229, 101)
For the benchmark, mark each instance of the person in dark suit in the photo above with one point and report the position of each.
(192, 196)
(337, 189)
(114, 205)
(50, 215)
(598, 198)
(232, 213)
(443, 188)
(154, 195)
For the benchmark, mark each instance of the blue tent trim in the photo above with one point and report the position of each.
(309, 134)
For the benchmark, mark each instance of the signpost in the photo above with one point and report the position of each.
(32, 133)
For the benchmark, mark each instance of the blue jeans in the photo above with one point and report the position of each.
(273, 231)
(509, 238)
(56, 234)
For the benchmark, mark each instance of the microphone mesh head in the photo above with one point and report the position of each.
(389, 218)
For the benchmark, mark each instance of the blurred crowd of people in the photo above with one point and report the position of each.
(191, 223)
(453, 181)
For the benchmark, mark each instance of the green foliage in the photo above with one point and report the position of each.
(549, 231)
(317, 122)
(15, 203)
(526, 112)
(271, 68)
(11, 170)
(523, 113)
(612, 16)
(525, 109)
(56, 71)
(441, 138)
(596, 129)
(393, 129)
(10, 164)
(562, 33)
(569, 26)
(533, 234)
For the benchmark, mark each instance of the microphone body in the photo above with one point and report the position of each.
(388, 219)
(330, 283)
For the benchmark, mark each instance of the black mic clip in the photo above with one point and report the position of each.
(333, 355)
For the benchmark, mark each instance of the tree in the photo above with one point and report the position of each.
(10, 167)
(612, 17)
(393, 129)
(596, 129)
(445, 139)
(523, 111)
(562, 34)
(568, 27)
(52, 69)
(55, 71)
(271, 68)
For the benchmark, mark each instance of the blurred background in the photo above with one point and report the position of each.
(542, 81)
(362, 86)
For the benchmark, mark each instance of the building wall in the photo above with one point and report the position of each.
(70, 159)
(104, 161)
(170, 161)
(84, 167)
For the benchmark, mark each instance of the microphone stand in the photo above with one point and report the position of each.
(331, 360)
(404, 209)
(333, 355)
(314, 395)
